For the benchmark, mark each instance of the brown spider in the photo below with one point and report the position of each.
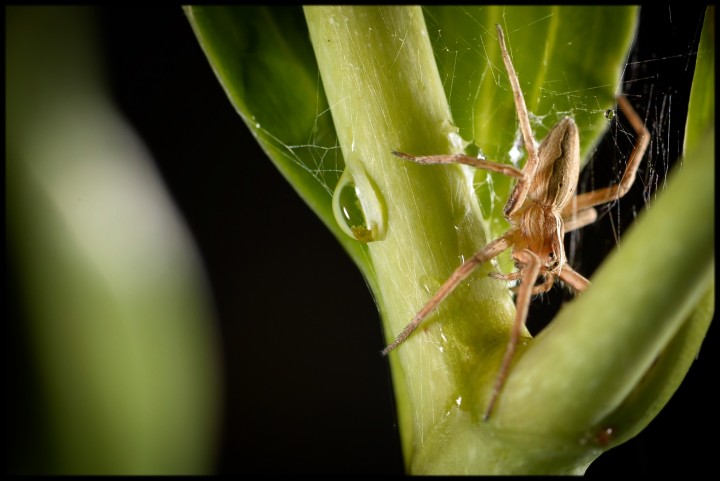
(540, 209)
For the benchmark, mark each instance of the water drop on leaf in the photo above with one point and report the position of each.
(357, 205)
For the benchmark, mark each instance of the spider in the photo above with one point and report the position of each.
(540, 209)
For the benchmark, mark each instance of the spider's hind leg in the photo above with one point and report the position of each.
(530, 272)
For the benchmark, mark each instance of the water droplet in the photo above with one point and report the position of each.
(609, 114)
(357, 205)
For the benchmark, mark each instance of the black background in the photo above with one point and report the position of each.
(306, 389)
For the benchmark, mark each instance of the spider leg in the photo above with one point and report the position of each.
(614, 192)
(531, 270)
(483, 255)
(508, 170)
(578, 219)
(517, 197)
(513, 276)
(573, 278)
(545, 286)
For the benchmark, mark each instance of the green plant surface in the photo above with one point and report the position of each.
(394, 82)
(119, 329)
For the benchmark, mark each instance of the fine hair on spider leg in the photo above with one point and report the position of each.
(542, 206)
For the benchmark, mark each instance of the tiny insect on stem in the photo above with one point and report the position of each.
(541, 208)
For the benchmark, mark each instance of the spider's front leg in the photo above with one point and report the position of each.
(463, 159)
(573, 278)
(583, 202)
(579, 218)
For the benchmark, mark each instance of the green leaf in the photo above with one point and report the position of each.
(669, 368)
(117, 318)
(701, 111)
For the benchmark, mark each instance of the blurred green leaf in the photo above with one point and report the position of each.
(118, 320)
(701, 111)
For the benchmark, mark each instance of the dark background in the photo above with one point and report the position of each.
(306, 389)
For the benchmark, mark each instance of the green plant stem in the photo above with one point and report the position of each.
(381, 80)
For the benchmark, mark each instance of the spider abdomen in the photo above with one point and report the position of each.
(559, 165)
